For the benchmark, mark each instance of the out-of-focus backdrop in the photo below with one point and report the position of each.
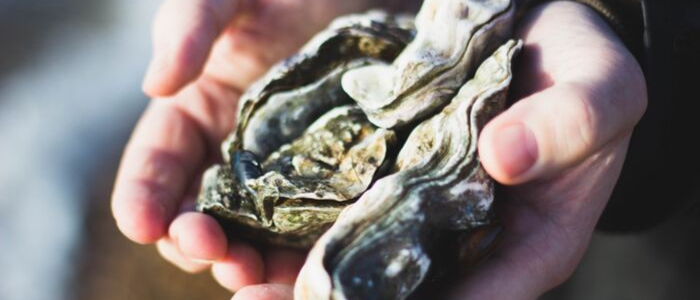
(70, 73)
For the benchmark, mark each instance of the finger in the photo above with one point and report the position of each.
(184, 32)
(265, 292)
(166, 151)
(553, 130)
(171, 253)
(265, 33)
(199, 237)
(242, 266)
(283, 265)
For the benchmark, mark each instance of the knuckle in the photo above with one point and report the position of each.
(173, 255)
(585, 121)
(160, 168)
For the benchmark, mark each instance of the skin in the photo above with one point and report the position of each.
(559, 149)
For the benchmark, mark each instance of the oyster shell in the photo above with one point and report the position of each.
(280, 106)
(382, 247)
(304, 183)
(317, 131)
(302, 151)
(453, 37)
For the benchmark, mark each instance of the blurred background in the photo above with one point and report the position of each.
(70, 73)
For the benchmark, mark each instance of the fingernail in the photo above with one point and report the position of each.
(516, 149)
(203, 261)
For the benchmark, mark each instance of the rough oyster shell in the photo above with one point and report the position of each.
(303, 150)
(296, 158)
(382, 246)
(453, 37)
(280, 106)
(299, 194)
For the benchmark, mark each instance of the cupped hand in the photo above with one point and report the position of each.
(205, 53)
(558, 150)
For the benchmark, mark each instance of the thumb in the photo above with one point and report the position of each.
(552, 130)
(184, 32)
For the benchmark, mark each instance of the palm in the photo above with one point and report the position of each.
(548, 225)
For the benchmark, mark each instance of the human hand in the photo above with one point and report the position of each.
(559, 151)
(205, 53)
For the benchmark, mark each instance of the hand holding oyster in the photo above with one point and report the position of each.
(374, 109)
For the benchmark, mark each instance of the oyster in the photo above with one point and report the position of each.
(372, 109)
(280, 106)
(382, 247)
(453, 37)
(302, 150)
